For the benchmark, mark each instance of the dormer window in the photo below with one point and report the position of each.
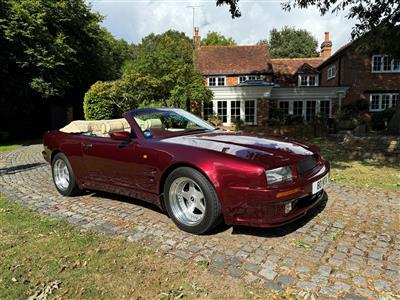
(244, 78)
(384, 63)
(308, 80)
(216, 81)
(331, 72)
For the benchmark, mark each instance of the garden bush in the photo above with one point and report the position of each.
(98, 103)
(380, 120)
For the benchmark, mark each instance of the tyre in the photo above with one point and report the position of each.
(191, 201)
(63, 176)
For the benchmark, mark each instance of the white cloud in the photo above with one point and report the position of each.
(134, 19)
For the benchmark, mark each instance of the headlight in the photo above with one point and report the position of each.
(278, 175)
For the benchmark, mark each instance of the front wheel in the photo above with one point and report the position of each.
(191, 201)
(63, 176)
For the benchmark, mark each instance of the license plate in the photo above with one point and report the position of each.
(320, 184)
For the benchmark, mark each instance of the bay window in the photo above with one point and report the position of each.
(308, 80)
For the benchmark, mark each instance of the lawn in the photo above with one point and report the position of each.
(40, 256)
(9, 146)
(365, 173)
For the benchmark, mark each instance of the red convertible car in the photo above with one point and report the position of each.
(199, 174)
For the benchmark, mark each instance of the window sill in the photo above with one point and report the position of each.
(385, 72)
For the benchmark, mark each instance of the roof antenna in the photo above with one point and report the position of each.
(194, 7)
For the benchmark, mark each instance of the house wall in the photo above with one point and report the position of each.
(356, 73)
(262, 111)
(323, 78)
(232, 80)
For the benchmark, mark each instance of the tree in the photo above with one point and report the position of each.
(216, 39)
(51, 53)
(161, 74)
(290, 42)
(168, 57)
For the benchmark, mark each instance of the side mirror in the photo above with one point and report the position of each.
(120, 136)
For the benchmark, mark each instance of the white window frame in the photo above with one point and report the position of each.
(216, 80)
(300, 76)
(304, 110)
(381, 69)
(331, 72)
(247, 77)
(380, 106)
(229, 119)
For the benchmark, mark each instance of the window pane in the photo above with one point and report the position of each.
(284, 106)
(395, 100)
(221, 80)
(222, 111)
(303, 80)
(298, 108)
(310, 110)
(324, 108)
(249, 111)
(252, 77)
(211, 81)
(311, 80)
(242, 79)
(396, 65)
(374, 101)
(376, 63)
(387, 63)
(235, 110)
(208, 110)
(385, 101)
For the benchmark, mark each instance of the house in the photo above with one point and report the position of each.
(225, 68)
(246, 82)
(373, 79)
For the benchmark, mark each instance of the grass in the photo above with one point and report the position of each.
(9, 146)
(40, 256)
(365, 173)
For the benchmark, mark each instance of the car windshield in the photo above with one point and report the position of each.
(160, 122)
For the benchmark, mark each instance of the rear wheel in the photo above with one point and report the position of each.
(63, 176)
(191, 201)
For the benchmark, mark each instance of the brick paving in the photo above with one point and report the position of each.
(348, 247)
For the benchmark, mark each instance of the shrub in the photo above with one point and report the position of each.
(380, 120)
(99, 103)
(239, 124)
(215, 120)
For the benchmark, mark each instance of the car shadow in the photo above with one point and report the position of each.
(20, 168)
(222, 227)
(285, 229)
(125, 199)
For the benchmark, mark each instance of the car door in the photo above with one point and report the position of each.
(109, 163)
(125, 168)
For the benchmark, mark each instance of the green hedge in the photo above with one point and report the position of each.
(99, 102)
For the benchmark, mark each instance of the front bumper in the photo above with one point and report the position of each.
(261, 208)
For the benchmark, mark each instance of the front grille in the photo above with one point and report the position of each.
(307, 164)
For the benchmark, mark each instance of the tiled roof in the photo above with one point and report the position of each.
(285, 69)
(291, 65)
(233, 60)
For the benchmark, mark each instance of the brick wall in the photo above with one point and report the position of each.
(262, 111)
(355, 72)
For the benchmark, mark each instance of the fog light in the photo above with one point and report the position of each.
(288, 208)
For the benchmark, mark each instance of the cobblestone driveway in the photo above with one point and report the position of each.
(349, 248)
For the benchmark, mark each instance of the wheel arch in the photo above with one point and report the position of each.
(172, 168)
(53, 153)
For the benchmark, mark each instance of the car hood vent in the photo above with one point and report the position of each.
(308, 163)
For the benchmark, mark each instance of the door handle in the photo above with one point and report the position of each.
(87, 146)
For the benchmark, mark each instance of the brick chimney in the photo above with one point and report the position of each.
(196, 38)
(326, 47)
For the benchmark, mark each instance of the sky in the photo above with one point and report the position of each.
(134, 19)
